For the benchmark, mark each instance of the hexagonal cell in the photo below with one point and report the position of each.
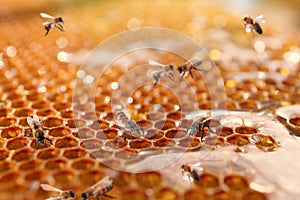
(38, 175)
(123, 179)
(90, 116)
(176, 133)
(248, 104)
(19, 103)
(85, 133)
(48, 153)
(7, 121)
(165, 124)
(102, 107)
(190, 142)
(140, 144)
(67, 113)
(46, 112)
(153, 116)
(61, 105)
(83, 164)
(144, 123)
(99, 124)
(127, 153)
(185, 123)
(23, 112)
(214, 140)
(149, 179)
(101, 154)
(91, 144)
(10, 177)
(11, 132)
(64, 177)
(51, 122)
(3, 154)
(164, 142)
(236, 182)
(23, 121)
(154, 134)
(195, 195)
(66, 142)
(4, 112)
(177, 115)
(109, 116)
(14, 95)
(224, 131)
(40, 104)
(223, 195)
(265, 142)
(74, 153)
(30, 164)
(109, 133)
(166, 194)
(59, 132)
(239, 140)
(54, 164)
(246, 130)
(23, 154)
(33, 96)
(295, 121)
(134, 194)
(90, 177)
(254, 195)
(208, 181)
(16, 143)
(36, 145)
(6, 165)
(75, 123)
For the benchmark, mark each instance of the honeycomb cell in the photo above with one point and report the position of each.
(64, 177)
(13, 95)
(144, 123)
(123, 179)
(46, 112)
(165, 124)
(67, 113)
(5, 166)
(91, 144)
(45, 154)
(166, 194)
(190, 142)
(54, 164)
(34, 96)
(101, 154)
(75, 123)
(254, 195)
(236, 182)
(83, 164)
(109, 116)
(23, 121)
(177, 115)
(19, 103)
(140, 144)
(7, 121)
(239, 140)
(153, 116)
(185, 123)
(208, 181)
(248, 104)
(40, 104)
(295, 121)
(176, 133)
(214, 140)
(149, 179)
(4, 112)
(102, 107)
(74, 153)
(265, 142)
(90, 177)
(66, 142)
(23, 154)
(134, 194)
(37, 175)
(194, 195)
(154, 134)
(10, 177)
(117, 143)
(16, 143)
(59, 132)
(51, 122)
(36, 145)
(164, 142)
(23, 112)
(245, 130)
(223, 195)
(127, 153)
(224, 131)
(3, 154)
(62, 105)
(91, 116)
(85, 133)
(30, 164)
(109, 133)
(99, 124)
(11, 132)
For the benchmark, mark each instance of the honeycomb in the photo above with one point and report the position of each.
(36, 77)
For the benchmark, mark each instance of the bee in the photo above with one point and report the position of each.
(98, 189)
(253, 24)
(63, 194)
(37, 130)
(56, 22)
(189, 66)
(189, 173)
(199, 125)
(166, 71)
(124, 120)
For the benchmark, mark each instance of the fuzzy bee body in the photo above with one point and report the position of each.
(253, 24)
(199, 125)
(190, 173)
(63, 194)
(98, 189)
(188, 66)
(56, 22)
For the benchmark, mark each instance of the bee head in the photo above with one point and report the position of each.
(72, 194)
(83, 196)
(60, 19)
(171, 67)
(180, 70)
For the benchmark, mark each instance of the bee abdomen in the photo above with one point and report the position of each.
(257, 28)
(196, 176)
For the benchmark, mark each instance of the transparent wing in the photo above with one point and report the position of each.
(47, 187)
(154, 63)
(125, 110)
(44, 15)
(30, 121)
(101, 184)
(259, 19)
(36, 118)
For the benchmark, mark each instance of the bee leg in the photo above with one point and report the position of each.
(202, 134)
(60, 27)
(108, 196)
(124, 135)
(49, 141)
(170, 77)
(212, 131)
(182, 75)
(190, 71)
(35, 145)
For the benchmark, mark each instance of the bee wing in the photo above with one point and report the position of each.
(47, 187)
(44, 15)
(35, 118)
(101, 184)
(125, 110)
(154, 63)
(259, 19)
(30, 121)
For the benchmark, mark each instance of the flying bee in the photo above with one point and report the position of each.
(63, 194)
(188, 172)
(56, 22)
(98, 189)
(123, 119)
(189, 66)
(253, 24)
(167, 71)
(199, 125)
(37, 130)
